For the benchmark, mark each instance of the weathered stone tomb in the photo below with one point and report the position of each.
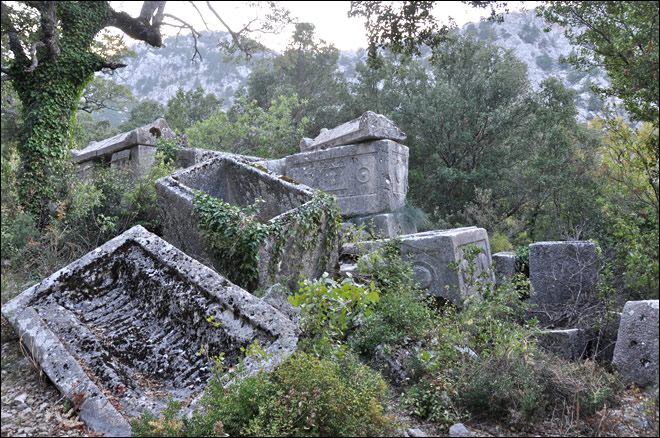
(119, 329)
(432, 254)
(363, 165)
(134, 149)
(242, 183)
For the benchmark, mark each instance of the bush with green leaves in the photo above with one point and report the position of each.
(484, 360)
(328, 309)
(304, 396)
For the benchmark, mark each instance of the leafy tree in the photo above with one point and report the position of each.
(102, 94)
(251, 130)
(556, 184)
(50, 68)
(402, 27)
(143, 113)
(87, 129)
(622, 37)
(462, 118)
(54, 55)
(186, 108)
(308, 70)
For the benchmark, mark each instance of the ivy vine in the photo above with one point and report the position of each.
(234, 235)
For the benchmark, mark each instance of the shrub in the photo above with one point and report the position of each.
(304, 396)
(397, 315)
(322, 397)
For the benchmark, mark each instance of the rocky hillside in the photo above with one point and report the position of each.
(157, 73)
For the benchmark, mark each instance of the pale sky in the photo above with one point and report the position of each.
(330, 18)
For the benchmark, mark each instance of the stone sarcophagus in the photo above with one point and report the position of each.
(298, 248)
(440, 259)
(118, 330)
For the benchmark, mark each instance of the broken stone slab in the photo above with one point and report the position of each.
(505, 266)
(367, 178)
(242, 183)
(636, 350)
(119, 329)
(433, 252)
(568, 344)
(147, 135)
(368, 127)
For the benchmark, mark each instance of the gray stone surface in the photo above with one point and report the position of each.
(187, 157)
(278, 297)
(147, 135)
(562, 274)
(242, 183)
(505, 266)
(432, 252)
(367, 178)
(125, 322)
(569, 344)
(368, 127)
(458, 429)
(636, 350)
(386, 224)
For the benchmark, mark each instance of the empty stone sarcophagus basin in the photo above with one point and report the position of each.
(120, 329)
(305, 250)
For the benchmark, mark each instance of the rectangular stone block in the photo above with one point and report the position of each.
(562, 272)
(568, 344)
(432, 253)
(366, 178)
(505, 266)
(146, 135)
(368, 127)
(122, 326)
(242, 183)
(636, 350)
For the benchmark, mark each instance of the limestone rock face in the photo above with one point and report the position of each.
(636, 350)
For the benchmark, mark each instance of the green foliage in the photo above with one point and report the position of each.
(248, 129)
(307, 69)
(168, 148)
(86, 129)
(328, 308)
(628, 53)
(499, 242)
(186, 108)
(321, 397)
(402, 28)
(233, 235)
(143, 113)
(398, 314)
(304, 396)
(50, 91)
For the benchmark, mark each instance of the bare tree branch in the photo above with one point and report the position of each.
(144, 28)
(200, 14)
(234, 35)
(195, 34)
(33, 55)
